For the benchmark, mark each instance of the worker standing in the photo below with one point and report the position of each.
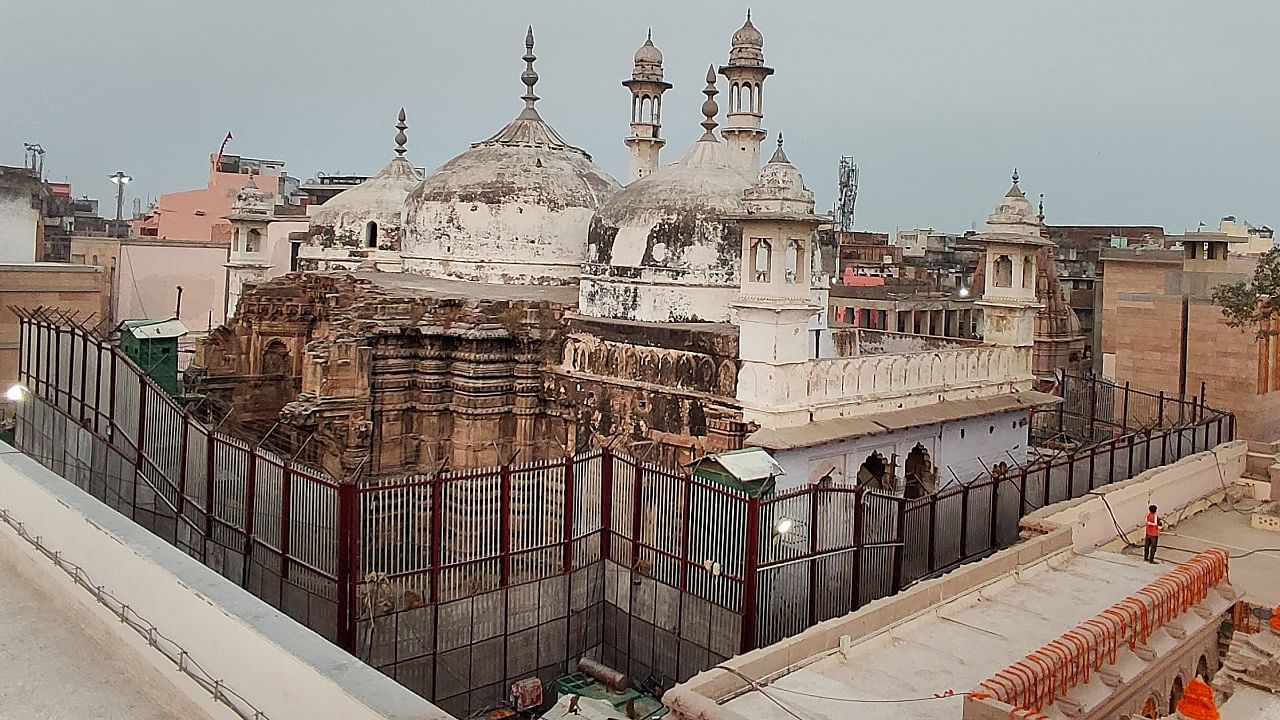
(1152, 535)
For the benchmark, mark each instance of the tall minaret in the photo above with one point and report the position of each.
(746, 72)
(646, 86)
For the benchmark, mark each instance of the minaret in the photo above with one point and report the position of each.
(775, 300)
(646, 86)
(1013, 243)
(746, 72)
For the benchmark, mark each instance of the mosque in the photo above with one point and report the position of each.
(519, 303)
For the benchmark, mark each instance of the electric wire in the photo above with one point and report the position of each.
(755, 685)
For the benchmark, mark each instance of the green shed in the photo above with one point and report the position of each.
(153, 345)
(751, 470)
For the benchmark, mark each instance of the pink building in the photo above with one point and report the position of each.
(201, 215)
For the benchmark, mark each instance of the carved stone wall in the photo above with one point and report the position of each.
(385, 379)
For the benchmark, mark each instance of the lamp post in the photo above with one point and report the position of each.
(120, 179)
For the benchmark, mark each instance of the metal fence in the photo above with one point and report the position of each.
(459, 583)
(1094, 410)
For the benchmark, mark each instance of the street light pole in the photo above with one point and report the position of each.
(120, 179)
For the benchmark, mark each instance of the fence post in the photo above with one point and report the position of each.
(566, 560)
(1062, 406)
(1071, 478)
(84, 374)
(504, 523)
(1231, 427)
(348, 522)
(250, 495)
(964, 521)
(813, 550)
(1093, 405)
(933, 533)
(750, 567)
(436, 552)
(137, 447)
(900, 552)
(111, 396)
(97, 391)
(858, 509)
(286, 511)
(606, 504)
(182, 469)
(1124, 412)
(637, 501)
(1022, 492)
(995, 512)
(208, 494)
(684, 533)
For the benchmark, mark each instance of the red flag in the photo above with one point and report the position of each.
(218, 161)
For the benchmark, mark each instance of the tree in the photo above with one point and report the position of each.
(1255, 303)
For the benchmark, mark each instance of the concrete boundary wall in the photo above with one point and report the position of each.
(699, 694)
(284, 669)
(1175, 488)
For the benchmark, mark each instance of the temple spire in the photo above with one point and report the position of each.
(709, 108)
(401, 138)
(530, 76)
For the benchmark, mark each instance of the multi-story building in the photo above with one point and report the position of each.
(1162, 332)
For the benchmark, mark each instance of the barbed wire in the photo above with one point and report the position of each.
(162, 643)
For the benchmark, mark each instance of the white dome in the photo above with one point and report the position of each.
(514, 208)
(345, 218)
(661, 249)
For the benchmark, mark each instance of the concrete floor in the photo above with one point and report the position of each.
(61, 659)
(1257, 574)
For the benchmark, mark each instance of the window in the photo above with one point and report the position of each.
(371, 234)
(761, 260)
(795, 262)
(876, 473)
(920, 474)
(1003, 272)
(253, 242)
(1029, 272)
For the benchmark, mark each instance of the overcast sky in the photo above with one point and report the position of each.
(1143, 112)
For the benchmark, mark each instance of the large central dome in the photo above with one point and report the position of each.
(514, 208)
(664, 249)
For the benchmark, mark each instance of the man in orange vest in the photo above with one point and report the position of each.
(1153, 535)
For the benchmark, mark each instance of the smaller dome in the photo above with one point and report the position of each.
(748, 36)
(747, 45)
(251, 202)
(648, 53)
(779, 188)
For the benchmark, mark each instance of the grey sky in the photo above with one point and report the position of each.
(1161, 112)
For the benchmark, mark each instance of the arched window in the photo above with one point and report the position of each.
(1175, 694)
(1029, 272)
(253, 242)
(1202, 668)
(646, 109)
(919, 473)
(761, 260)
(1150, 709)
(1003, 272)
(795, 262)
(235, 240)
(371, 234)
(758, 107)
(276, 359)
(876, 473)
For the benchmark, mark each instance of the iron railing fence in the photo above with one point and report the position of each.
(458, 583)
(1094, 410)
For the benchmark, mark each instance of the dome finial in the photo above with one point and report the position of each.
(1015, 176)
(529, 77)
(401, 138)
(779, 156)
(748, 14)
(709, 108)
(1041, 215)
(649, 35)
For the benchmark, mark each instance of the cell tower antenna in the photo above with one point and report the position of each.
(848, 196)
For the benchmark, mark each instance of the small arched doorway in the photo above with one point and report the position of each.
(253, 241)
(1202, 668)
(1175, 694)
(919, 473)
(1003, 275)
(276, 359)
(371, 234)
(1149, 709)
(876, 473)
